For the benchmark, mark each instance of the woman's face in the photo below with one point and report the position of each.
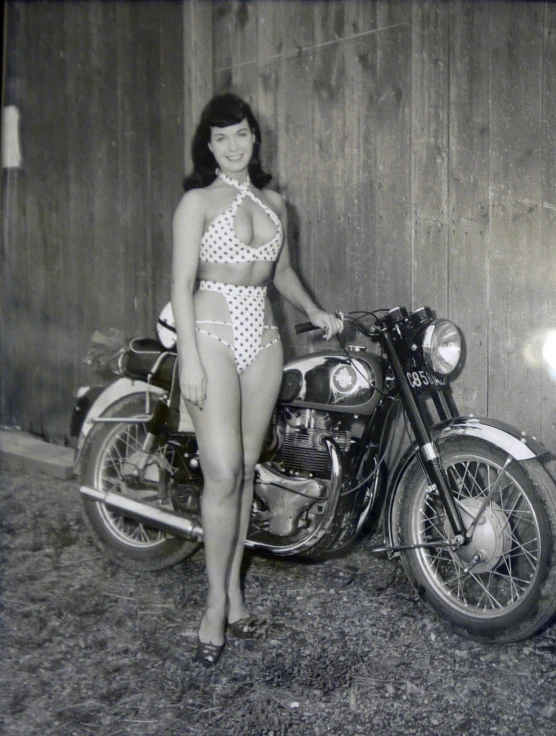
(232, 147)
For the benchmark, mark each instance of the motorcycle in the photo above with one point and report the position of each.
(365, 439)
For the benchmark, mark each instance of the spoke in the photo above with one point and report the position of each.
(116, 464)
(490, 590)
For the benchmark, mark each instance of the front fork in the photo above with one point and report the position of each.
(428, 452)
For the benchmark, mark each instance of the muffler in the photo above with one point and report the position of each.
(168, 521)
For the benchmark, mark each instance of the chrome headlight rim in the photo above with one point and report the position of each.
(442, 347)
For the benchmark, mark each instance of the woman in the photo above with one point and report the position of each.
(229, 241)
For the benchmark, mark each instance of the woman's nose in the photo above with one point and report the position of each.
(233, 145)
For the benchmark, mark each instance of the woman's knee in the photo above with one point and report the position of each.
(223, 479)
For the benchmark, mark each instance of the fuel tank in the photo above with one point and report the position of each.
(334, 381)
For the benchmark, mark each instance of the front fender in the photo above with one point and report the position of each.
(514, 442)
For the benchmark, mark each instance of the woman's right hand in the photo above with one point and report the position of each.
(193, 382)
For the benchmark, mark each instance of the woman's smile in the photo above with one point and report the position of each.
(232, 146)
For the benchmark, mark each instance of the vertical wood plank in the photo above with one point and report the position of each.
(171, 136)
(328, 21)
(270, 29)
(329, 261)
(298, 187)
(222, 37)
(46, 225)
(109, 262)
(430, 67)
(361, 175)
(270, 88)
(548, 295)
(271, 117)
(515, 267)
(201, 56)
(80, 299)
(245, 32)
(298, 19)
(468, 196)
(393, 110)
(359, 18)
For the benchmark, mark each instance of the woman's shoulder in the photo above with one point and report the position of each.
(194, 199)
(276, 199)
(192, 207)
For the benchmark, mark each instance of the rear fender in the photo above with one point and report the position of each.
(112, 393)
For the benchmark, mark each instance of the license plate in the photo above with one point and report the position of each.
(421, 379)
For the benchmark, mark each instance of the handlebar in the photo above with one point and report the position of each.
(305, 327)
(353, 318)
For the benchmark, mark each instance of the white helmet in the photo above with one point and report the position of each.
(166, 328)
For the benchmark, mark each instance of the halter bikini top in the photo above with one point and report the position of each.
(220, 244)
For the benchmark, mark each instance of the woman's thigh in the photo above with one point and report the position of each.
(260, 384)
(218, 423)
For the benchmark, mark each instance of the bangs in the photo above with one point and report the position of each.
(226, 110)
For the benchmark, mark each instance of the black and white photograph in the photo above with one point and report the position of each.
(278, 368)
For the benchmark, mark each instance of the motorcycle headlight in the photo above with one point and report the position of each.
(442, 346)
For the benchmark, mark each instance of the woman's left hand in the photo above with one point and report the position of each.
(329, 323)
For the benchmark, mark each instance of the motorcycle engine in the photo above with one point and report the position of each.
(299, 433)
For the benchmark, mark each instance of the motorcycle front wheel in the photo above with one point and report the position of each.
(501, 587)
(110, 464)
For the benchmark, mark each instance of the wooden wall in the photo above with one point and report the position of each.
(415, 142)
(86, 227)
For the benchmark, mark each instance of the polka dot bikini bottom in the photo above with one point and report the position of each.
(246, 305)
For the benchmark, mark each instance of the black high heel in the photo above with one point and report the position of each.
(207, 654)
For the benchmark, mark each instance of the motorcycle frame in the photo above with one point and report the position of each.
(401, 402)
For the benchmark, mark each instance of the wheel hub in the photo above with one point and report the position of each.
(491, 538)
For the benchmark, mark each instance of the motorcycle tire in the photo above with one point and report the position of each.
(501, 587)
(109, 454)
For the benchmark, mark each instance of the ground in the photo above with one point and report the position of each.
(87, 648)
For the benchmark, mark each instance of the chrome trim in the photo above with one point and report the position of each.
(514, 442)
(167, 520)
(429, 452)
(330, 513)
(137, 419)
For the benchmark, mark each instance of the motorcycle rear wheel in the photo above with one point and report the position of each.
(502, 586)
(109, 458)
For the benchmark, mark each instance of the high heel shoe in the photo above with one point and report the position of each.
(207, 654)
(253, 627)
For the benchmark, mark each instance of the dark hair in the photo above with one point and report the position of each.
(219, 112)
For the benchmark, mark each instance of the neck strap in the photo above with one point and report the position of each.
(234, 183)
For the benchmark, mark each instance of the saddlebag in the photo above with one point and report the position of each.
(146, 360)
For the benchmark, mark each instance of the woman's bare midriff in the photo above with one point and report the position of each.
(256, 273)
(210, 305)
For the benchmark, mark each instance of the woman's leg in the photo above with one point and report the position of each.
(218, 431)
(260, 383)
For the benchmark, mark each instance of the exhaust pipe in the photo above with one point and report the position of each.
(168, 521)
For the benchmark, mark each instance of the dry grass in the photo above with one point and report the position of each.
(89, 649)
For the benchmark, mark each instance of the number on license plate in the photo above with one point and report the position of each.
(424, 379)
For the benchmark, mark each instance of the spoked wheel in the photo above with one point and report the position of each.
(501, 586)
(115, 462)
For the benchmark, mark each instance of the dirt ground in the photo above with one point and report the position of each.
(89, 649)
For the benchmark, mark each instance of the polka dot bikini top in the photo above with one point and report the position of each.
(220, 244)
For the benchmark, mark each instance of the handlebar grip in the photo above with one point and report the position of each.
(305, 327)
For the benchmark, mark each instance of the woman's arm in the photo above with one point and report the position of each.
(187, 231)
(290, 287)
